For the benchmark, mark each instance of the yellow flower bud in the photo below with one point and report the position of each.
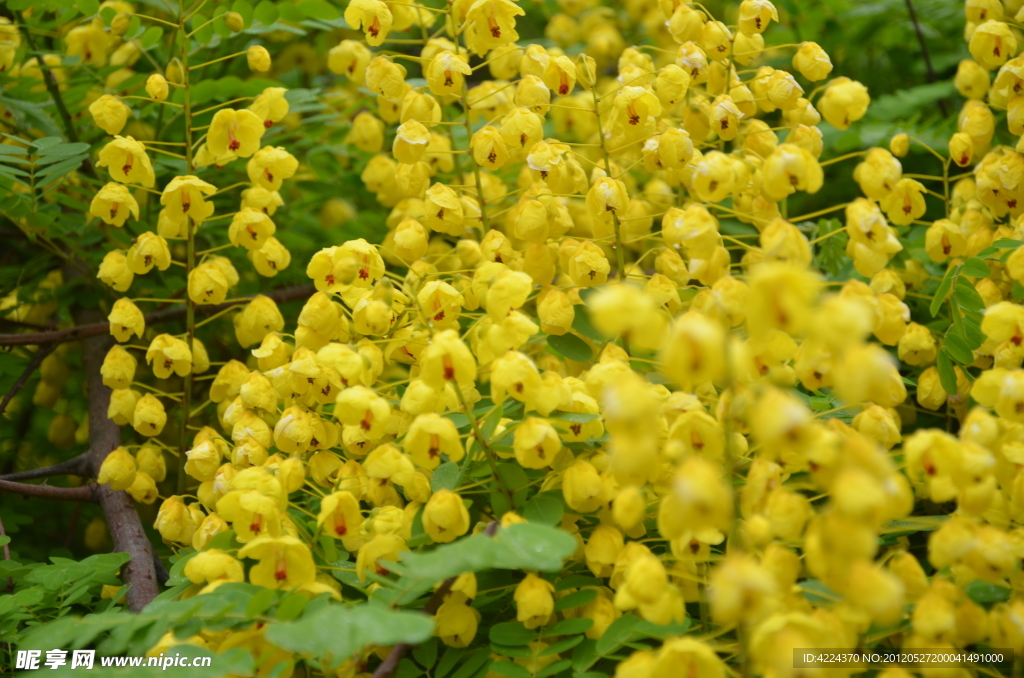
(109, 113)
(118, 470)
(534, 600)
(156, 87)
(844, 102)
(258, 58)
(445, 517)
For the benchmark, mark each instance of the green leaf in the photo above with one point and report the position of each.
(905, 103)
(545, 507)
(957, 348)
(291, 607)
(974, 336)
(1007, 243)
(574, 417)
(581, 323)
(4, 540)
(338, 632)
(448, 660)
(151, 37)
(204, 34)
(265, 13)
(967, 296)
(568, 627)
(445, 477)
(975, 268)
(552, 669)
(88, 7)
(984, 593)
(510, 670)
(426, 653)
(1017, 292)
(571, 347)
(617, 633)
(511, 634)
(942, 292)
(563, 645)
(243, 7)
(318, 9)
(260, 602)
(575, 599)
(947, 376)
(472, 663)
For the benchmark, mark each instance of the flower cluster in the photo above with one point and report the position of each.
(591, 291)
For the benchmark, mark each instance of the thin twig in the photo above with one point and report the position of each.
(924, 52)
(33, 364)
(76, 466)
(389, 666)
(83, 493)
(174, 313)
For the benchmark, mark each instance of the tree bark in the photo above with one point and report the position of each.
(126, 529)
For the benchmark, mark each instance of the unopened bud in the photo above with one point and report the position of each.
(119, 24)
(234, 21)
(175, 73)
(259, 59)
(899, 145)
(586, 71)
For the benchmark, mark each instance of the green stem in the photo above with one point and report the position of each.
(190, 244)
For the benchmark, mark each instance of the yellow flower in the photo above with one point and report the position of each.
(258, 58)
(90, 42)
(905, 203)
(143, 488)
(490, 24)
(755, 15)
(535, 601)
(382, 547)
(169, 355)
(812, 61)
(536, 443)
(582, 487)
(250, 229)
(456, 623)
(175, 521)
(446, 73)
(259, 318)
(270, 259)
(238, 132)
(149, 250)
(366, 133)
(149, 417)
(373, 17)
(122, 405)
(126, 319)
(127, 161)
(118, 370)
(207, 284)
(118, 470)
(270, 166)
(445, 517)
(788, 169)
(183, 199)
(429, 436)
(156, 87)
(411, 141)
(113, 203)
(285, 562)
(350, 58)
(844, 102)
(992, 43)
(108, 112)
(214, 565)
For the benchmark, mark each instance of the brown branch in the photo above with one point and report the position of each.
(33, 364)
(924, 52)
(76, 466)
(84, 331)
(83, 493)
(389, 666)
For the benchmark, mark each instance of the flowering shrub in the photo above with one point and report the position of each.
(575, 389)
